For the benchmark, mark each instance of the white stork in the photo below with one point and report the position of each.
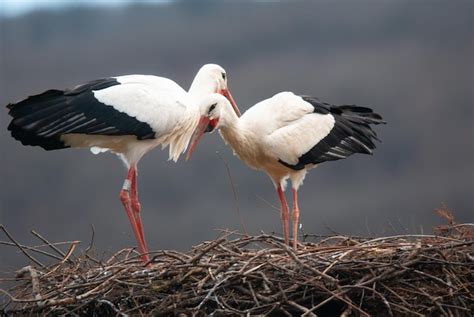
(127, 115)
(286, 135)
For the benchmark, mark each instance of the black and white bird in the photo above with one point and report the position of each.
(286, 135)
(126, 115)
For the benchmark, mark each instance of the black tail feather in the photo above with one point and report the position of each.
(352, 133)
(43, 119)
(32, 114)
(31, 138)
(362, 115)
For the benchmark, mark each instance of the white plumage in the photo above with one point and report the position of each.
(292, 127)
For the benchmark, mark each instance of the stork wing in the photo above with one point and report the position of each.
(127, 105)
(327, 133)
(297, 137)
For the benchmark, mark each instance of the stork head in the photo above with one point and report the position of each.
(212, 78)
(214, 112)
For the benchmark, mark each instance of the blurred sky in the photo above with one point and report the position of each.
(10, 8)
(411, 61)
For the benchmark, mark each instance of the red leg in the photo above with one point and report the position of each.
(295, 215)
(284, 214)
(136, 207)
(126, 201)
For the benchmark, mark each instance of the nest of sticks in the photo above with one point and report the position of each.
(405, 275)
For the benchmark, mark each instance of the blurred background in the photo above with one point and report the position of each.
(412, 61)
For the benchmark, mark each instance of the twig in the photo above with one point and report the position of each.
(20, 247)
(234, 192)
(303, 309)
(32, 249)
(384, 300)
(211, 291)
(207, 249)
(53, 247)
(34, 280)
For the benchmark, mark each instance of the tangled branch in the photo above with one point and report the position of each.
(393, 276)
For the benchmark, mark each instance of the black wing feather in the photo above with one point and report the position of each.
(42, 119)
(351, 134)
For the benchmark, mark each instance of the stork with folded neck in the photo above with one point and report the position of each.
(287, 135)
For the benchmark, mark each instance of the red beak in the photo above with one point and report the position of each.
(226, 93)
(198, 132)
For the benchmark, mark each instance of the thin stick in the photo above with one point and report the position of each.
(20, 247)
(236, 200)
(89, 247)
(54, 256)
(61, 253)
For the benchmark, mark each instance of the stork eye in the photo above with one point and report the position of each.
(223, 76)
(212, 108)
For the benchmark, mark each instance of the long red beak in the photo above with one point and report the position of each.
(226, 93)
(198, 132)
